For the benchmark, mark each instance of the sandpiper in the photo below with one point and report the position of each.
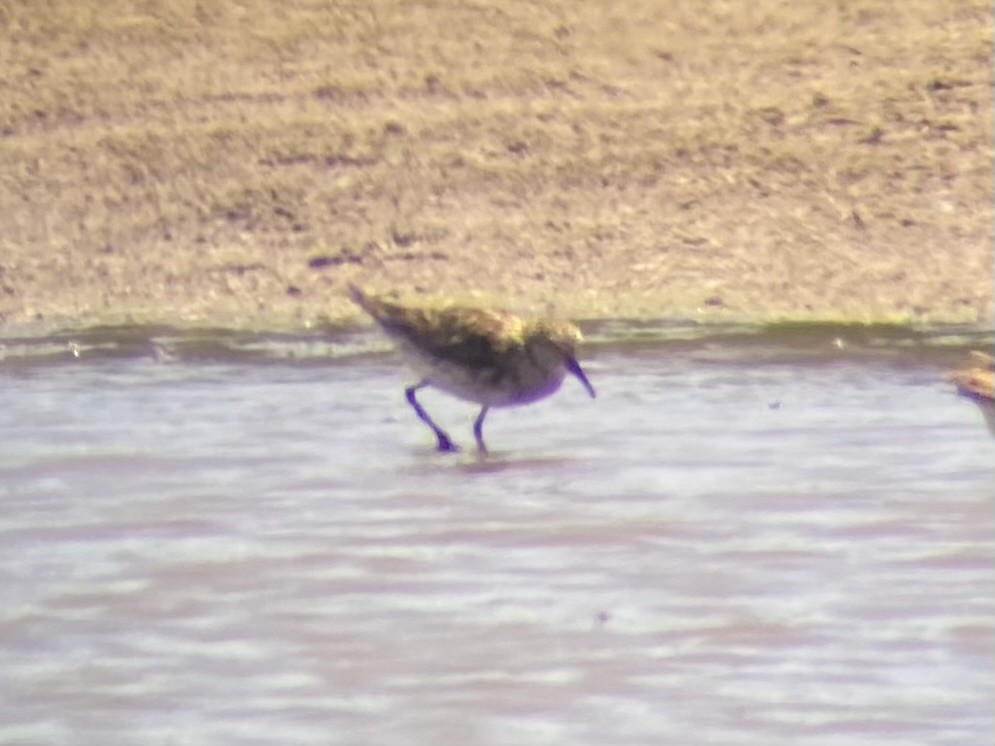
(978, 383)
(492, 358)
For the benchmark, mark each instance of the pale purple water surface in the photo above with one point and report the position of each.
(762, 544)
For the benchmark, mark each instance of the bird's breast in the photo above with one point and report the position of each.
(504, 382)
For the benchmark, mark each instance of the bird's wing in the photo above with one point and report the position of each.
(455, 333)
(468, 335)
(977, 382)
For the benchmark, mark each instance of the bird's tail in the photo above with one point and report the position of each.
(388, 315)
(358, 296)
(367, 301)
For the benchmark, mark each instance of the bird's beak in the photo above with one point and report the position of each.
(574, 367)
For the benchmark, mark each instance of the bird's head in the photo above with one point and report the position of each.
(557, 341)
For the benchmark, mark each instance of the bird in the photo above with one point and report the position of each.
(978, 383)
(489, 357)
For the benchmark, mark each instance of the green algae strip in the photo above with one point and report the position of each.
(162, 343)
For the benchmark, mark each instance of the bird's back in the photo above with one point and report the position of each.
(478, 355)
(458, 334)
(978, 381)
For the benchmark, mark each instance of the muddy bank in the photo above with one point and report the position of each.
(238, 165)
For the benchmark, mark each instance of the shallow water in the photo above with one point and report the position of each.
(781, 540)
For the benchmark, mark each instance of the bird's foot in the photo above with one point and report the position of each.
(446, 445)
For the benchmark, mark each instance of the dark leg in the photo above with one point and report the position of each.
(444, 443)
(478, 430)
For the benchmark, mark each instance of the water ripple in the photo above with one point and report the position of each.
(207, 549)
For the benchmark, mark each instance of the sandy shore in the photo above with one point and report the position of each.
(238, 164)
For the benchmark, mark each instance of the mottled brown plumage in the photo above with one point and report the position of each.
(490, 357)
(978, 383)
